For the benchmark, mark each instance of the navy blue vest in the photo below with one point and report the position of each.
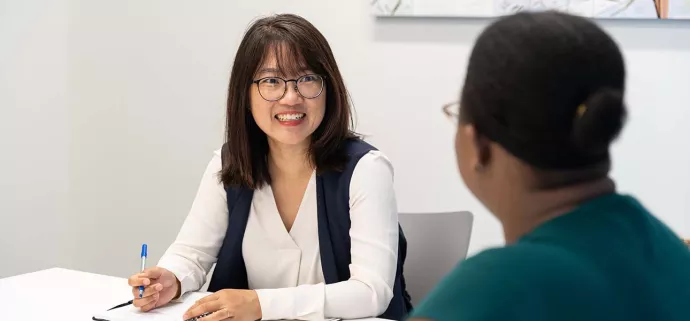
(333, 195)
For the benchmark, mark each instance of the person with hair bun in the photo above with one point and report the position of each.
(542, 102)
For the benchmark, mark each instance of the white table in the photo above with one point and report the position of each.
(62, 295)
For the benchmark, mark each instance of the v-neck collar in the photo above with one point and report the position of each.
(276, 222)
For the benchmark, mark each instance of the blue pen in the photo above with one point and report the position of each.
(144, 253)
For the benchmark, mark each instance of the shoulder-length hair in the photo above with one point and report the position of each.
(295, 43)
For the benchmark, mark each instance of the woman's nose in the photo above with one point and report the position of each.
(292, 95)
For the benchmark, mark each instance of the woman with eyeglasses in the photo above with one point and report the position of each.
(541, 104)
(298, 214)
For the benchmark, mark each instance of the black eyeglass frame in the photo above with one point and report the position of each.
(286, 81)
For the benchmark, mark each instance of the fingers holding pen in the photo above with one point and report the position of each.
(147, 303)
(148, 291)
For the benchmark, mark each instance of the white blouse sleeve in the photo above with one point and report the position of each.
(374, 251)
(196, 248)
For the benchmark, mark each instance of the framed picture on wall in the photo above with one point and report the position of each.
(605, 9)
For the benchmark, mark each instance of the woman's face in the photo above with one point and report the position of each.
(292, 118)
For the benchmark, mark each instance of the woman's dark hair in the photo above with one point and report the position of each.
(296, 44)
(548, 87)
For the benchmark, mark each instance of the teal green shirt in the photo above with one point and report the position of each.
(609, 259)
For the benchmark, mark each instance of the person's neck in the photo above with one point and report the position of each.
(288, 161)
(531, 209)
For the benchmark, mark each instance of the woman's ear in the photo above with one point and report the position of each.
(481, 146)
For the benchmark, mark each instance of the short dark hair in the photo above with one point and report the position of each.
(296, 43)
(548, 87)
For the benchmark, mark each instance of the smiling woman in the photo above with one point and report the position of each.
(302, 223)
(273, 55)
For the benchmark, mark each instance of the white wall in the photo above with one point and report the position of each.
(33, 135)
(146, 83)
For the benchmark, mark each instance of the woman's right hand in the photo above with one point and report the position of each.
(160, 287)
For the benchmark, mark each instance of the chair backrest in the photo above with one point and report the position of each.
(436, 242)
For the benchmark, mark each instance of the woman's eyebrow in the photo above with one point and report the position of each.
(274, 70)
(267, 70)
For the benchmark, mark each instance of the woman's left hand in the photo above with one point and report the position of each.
(238, 305)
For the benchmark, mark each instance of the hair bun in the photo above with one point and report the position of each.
(598, 124)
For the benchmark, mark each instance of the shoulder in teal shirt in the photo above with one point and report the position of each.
(609, 259)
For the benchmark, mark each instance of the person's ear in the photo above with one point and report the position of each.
(481, 146)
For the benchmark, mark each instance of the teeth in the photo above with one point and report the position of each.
(286, 117)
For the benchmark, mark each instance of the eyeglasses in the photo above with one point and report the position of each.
(452, 111)
(274, 88)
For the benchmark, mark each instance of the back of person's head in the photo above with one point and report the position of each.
(548, 88)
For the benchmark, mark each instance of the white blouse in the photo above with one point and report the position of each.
(285, 267)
